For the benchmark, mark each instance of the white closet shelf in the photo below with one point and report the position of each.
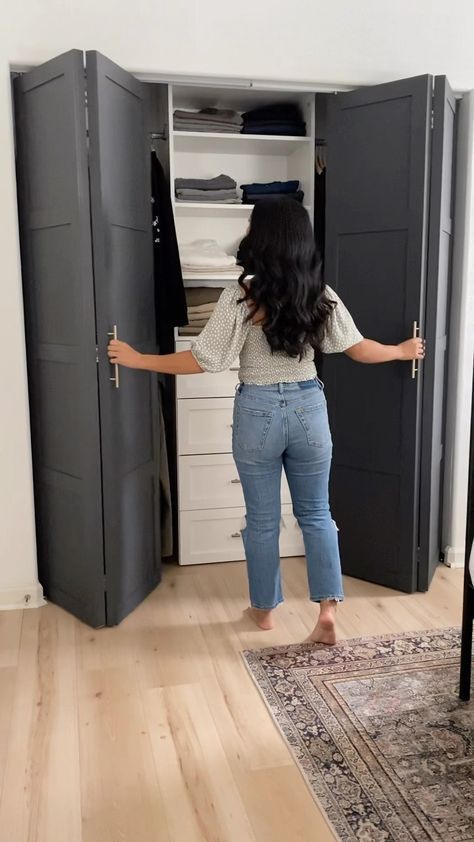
(212, 207)
(237, 144)
(215, 208)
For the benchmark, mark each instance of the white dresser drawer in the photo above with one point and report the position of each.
(205, 426)
(221, 385)
(210, 536)
(212, 482)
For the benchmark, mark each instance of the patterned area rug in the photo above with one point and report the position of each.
(379, 733)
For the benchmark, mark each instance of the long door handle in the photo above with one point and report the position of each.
(114, 334)
(414, 366)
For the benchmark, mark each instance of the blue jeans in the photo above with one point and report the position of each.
(287, 426)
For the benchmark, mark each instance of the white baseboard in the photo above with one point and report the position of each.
(454, 556)
(28, 596)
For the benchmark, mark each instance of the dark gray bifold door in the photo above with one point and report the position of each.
(377, 186)
(60, 333)
(124, 295)
(436, 328)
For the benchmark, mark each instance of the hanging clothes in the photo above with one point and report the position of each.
(170, 299)
(320, 211)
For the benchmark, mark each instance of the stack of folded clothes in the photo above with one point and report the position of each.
(207, 258)
(207, 120)
(253, 193)
(222, 188)
(279, 119)
(201, 305)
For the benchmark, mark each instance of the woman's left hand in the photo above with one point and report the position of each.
(122, 354)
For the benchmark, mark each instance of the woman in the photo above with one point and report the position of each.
(274, 319)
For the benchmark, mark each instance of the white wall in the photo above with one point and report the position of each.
(18, 578)
(461, 345)
(335, 41)
(339, 42)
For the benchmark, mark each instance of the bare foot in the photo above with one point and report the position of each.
(262, 619)
(324, 631)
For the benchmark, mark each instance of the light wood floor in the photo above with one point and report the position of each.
(154, 731)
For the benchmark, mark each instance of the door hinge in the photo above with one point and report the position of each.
(97, 353)
(432, 118)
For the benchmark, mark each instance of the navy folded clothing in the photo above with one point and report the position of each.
(253, 198)
(286, 129)
(271, 187)
(280, 112)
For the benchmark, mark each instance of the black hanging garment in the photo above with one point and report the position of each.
(170, 300)
(319, 236)
(320, 211)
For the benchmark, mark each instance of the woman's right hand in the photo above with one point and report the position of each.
(412, 349)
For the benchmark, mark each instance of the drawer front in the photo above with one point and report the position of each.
(208, 537)
(221, 385)
(212, 482)
(211, 536)
(205, 426)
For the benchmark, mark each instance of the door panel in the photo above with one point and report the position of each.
(60, 333)
(437, 297)
(121, 231)
(378, 146)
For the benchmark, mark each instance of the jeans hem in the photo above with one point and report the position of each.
(329, 598)
(264, 607)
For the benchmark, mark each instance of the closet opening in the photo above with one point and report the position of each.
(375, 175)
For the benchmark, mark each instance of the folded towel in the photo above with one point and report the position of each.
(189, 331)
(271, 187)
(230, 272)
(198, 322)
(220, 182)
(196, 296)
(202, 309)
(197, 318)
(205, 253)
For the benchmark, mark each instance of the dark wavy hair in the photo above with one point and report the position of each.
(288, 284)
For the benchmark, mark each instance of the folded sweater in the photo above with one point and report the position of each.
(251, 199)
(210, 115)
(277, 111)
(220, 182)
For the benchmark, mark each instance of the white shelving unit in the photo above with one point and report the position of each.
(211, 504)
(246, 158)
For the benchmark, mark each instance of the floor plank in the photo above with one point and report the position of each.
(121, 799)
(41, 787)
(10, 632)
(202, 800)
